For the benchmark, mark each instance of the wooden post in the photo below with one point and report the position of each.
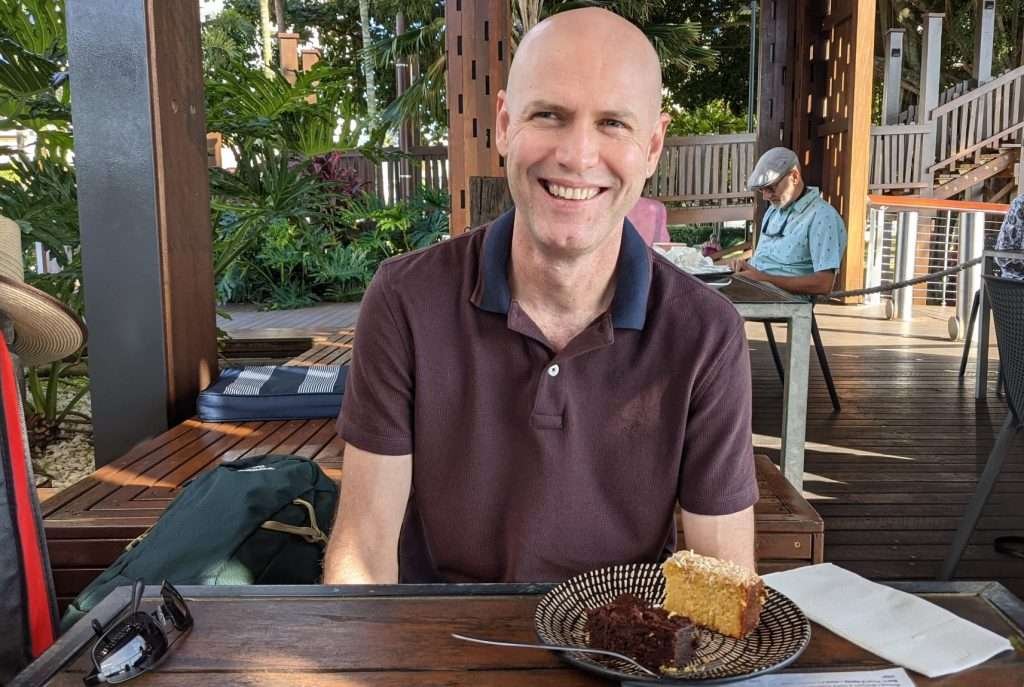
(288, 45)
(310, 57)
(403, 80)
(928, 93)
(477, 43)
(931, 65)
(984, 36)
(144, 210)
(893, 85)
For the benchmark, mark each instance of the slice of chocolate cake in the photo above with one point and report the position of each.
(646, 634)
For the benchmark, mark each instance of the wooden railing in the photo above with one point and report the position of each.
(706, 169)
(897, 157)
(909, 115)
(986, 117)
(428, 167)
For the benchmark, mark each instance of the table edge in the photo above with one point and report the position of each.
(68, 645)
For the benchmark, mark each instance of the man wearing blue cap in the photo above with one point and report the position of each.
(802, 237)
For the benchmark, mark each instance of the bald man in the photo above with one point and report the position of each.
(532, 399)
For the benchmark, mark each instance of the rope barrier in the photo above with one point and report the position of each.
(909, 282)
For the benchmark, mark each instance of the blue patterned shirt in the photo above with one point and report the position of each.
(807, 236)
(1011, 237)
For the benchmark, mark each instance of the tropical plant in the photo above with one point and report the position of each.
(33, 73)
(52, 392)
(715, 117)
(678, 45)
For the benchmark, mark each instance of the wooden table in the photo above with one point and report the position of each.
(759, 302)
(399, 635)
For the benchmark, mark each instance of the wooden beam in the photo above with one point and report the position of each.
(709, 215)
(860, 76)
(144, 210)
(479, 53)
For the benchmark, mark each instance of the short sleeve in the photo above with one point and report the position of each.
(718, 475)
(376, 410)
(826, 240)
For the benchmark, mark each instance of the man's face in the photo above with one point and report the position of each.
(784, 191)
(580, 136)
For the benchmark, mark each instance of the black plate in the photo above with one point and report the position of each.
(780, 637)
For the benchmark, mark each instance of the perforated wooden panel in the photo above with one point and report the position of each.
(478, 58)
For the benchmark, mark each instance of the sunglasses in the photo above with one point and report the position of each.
(138, 641)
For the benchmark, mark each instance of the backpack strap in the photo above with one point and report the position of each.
(312, 534)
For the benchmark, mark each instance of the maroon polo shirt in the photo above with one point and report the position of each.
(530, 465)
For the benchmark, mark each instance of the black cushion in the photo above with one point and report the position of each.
(274, 392)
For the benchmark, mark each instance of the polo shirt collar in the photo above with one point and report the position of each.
(632, 274)
(810, 194)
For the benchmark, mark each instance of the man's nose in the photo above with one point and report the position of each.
(578, 148)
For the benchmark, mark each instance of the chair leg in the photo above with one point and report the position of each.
(775, 351)
(826, 370)
(981, 494)
(975, 304)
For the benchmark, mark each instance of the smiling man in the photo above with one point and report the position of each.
(533, 399)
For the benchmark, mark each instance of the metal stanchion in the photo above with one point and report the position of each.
(906, 255)
(972, 244)
(876, 232)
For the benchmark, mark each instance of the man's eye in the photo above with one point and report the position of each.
(614, 123)
(544, 115)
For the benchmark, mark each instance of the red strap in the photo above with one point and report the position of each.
(40, 617)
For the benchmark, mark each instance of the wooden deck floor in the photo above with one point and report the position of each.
(892, 472)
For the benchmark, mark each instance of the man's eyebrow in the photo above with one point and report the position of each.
(548, 106)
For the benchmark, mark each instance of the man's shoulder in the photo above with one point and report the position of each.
(434, 260)
(683, 297)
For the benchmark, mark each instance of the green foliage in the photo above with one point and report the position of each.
(33, 70)
(696, 234)
(52, 392)
(715, 117)
(294, 262)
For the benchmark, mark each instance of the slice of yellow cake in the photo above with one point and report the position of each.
(717, 594)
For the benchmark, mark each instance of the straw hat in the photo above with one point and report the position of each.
(44, 328)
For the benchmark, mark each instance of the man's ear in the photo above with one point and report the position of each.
(657, 142)
(501, 124)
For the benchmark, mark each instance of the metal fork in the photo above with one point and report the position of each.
(555, 647)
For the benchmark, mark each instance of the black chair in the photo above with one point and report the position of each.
(1006, 297)
(968, 335)
(819, 348)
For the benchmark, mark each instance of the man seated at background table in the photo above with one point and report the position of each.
(802, 237)
(530, 400)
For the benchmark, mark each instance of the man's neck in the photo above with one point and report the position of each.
(562, 295)
(798, 193)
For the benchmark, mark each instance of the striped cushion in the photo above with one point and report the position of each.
(274, 392)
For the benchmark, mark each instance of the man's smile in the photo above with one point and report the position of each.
(565, 192)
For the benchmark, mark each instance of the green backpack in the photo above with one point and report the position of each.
(258, 520)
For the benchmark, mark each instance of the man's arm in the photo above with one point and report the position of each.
(363, 547)
(816, 284)
(729, 537)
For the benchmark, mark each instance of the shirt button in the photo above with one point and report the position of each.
(553, 370)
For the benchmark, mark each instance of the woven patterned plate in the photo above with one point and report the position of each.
(780, 637)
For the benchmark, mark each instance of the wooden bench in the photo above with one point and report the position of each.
(89, 524)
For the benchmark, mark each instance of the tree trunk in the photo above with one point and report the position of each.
(266, 47)
(279, 16)
(371, 87)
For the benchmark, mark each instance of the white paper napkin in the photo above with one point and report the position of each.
(897, 626)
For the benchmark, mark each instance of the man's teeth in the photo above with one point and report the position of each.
(572, 193)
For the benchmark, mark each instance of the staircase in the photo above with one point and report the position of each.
(978, 138)
(972, 139)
